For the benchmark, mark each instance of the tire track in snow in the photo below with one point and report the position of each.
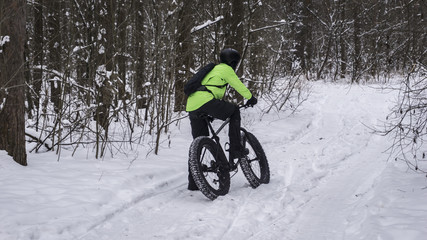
(282, 196)
(158, 189)
(333, 148)
(236, 216)
(301, 200)
(322, 150)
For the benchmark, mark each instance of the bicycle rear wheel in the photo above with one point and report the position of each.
(254, 165)
(209, 167)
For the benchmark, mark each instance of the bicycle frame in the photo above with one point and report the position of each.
(215, 136)
(209, 119)
(215, 133)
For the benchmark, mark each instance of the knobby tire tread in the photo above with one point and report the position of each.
(196, 169)
(253, 180)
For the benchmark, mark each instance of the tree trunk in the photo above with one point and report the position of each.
(12, 80)
(139, 43)
(357, 43)
(184, 54)
(54, 44)
(122, 24)
(343, 53)
(303, 44)
(38, 57)
(234, 38)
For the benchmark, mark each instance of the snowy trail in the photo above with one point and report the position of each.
(308, 175)
(332, 158)
(329, 180)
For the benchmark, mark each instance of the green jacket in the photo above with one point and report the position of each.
(219, 76)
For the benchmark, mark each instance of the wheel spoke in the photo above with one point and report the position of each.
(203, 154)
(255, 159)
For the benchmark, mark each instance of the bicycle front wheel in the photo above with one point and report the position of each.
(209, 167)
(254, 165)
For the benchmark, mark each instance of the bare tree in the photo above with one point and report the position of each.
(97, 63)
(12, 80)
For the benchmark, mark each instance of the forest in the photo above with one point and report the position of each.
(110, 74)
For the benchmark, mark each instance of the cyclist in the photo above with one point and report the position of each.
(209, 101)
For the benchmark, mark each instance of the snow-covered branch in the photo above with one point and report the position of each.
(206, 24)
(268, 27)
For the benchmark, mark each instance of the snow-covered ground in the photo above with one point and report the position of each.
(330, 179)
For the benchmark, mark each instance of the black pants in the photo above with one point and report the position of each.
(220, 110)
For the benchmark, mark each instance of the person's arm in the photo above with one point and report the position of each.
(234, 81)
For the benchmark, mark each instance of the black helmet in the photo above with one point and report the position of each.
(230, 56)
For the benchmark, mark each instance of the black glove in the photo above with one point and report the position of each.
(251, 102)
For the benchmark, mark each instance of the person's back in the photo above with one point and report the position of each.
(216, 82)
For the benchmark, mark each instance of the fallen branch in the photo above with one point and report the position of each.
(41, 142)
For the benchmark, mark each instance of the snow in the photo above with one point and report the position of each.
(3, 41)
(330, 179)
(206, 24)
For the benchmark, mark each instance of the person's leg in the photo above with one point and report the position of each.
(218, 109)
(223, 110)
(234, 134)
(198, 126)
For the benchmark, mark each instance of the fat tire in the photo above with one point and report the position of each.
(205, 145)
(257, 152)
